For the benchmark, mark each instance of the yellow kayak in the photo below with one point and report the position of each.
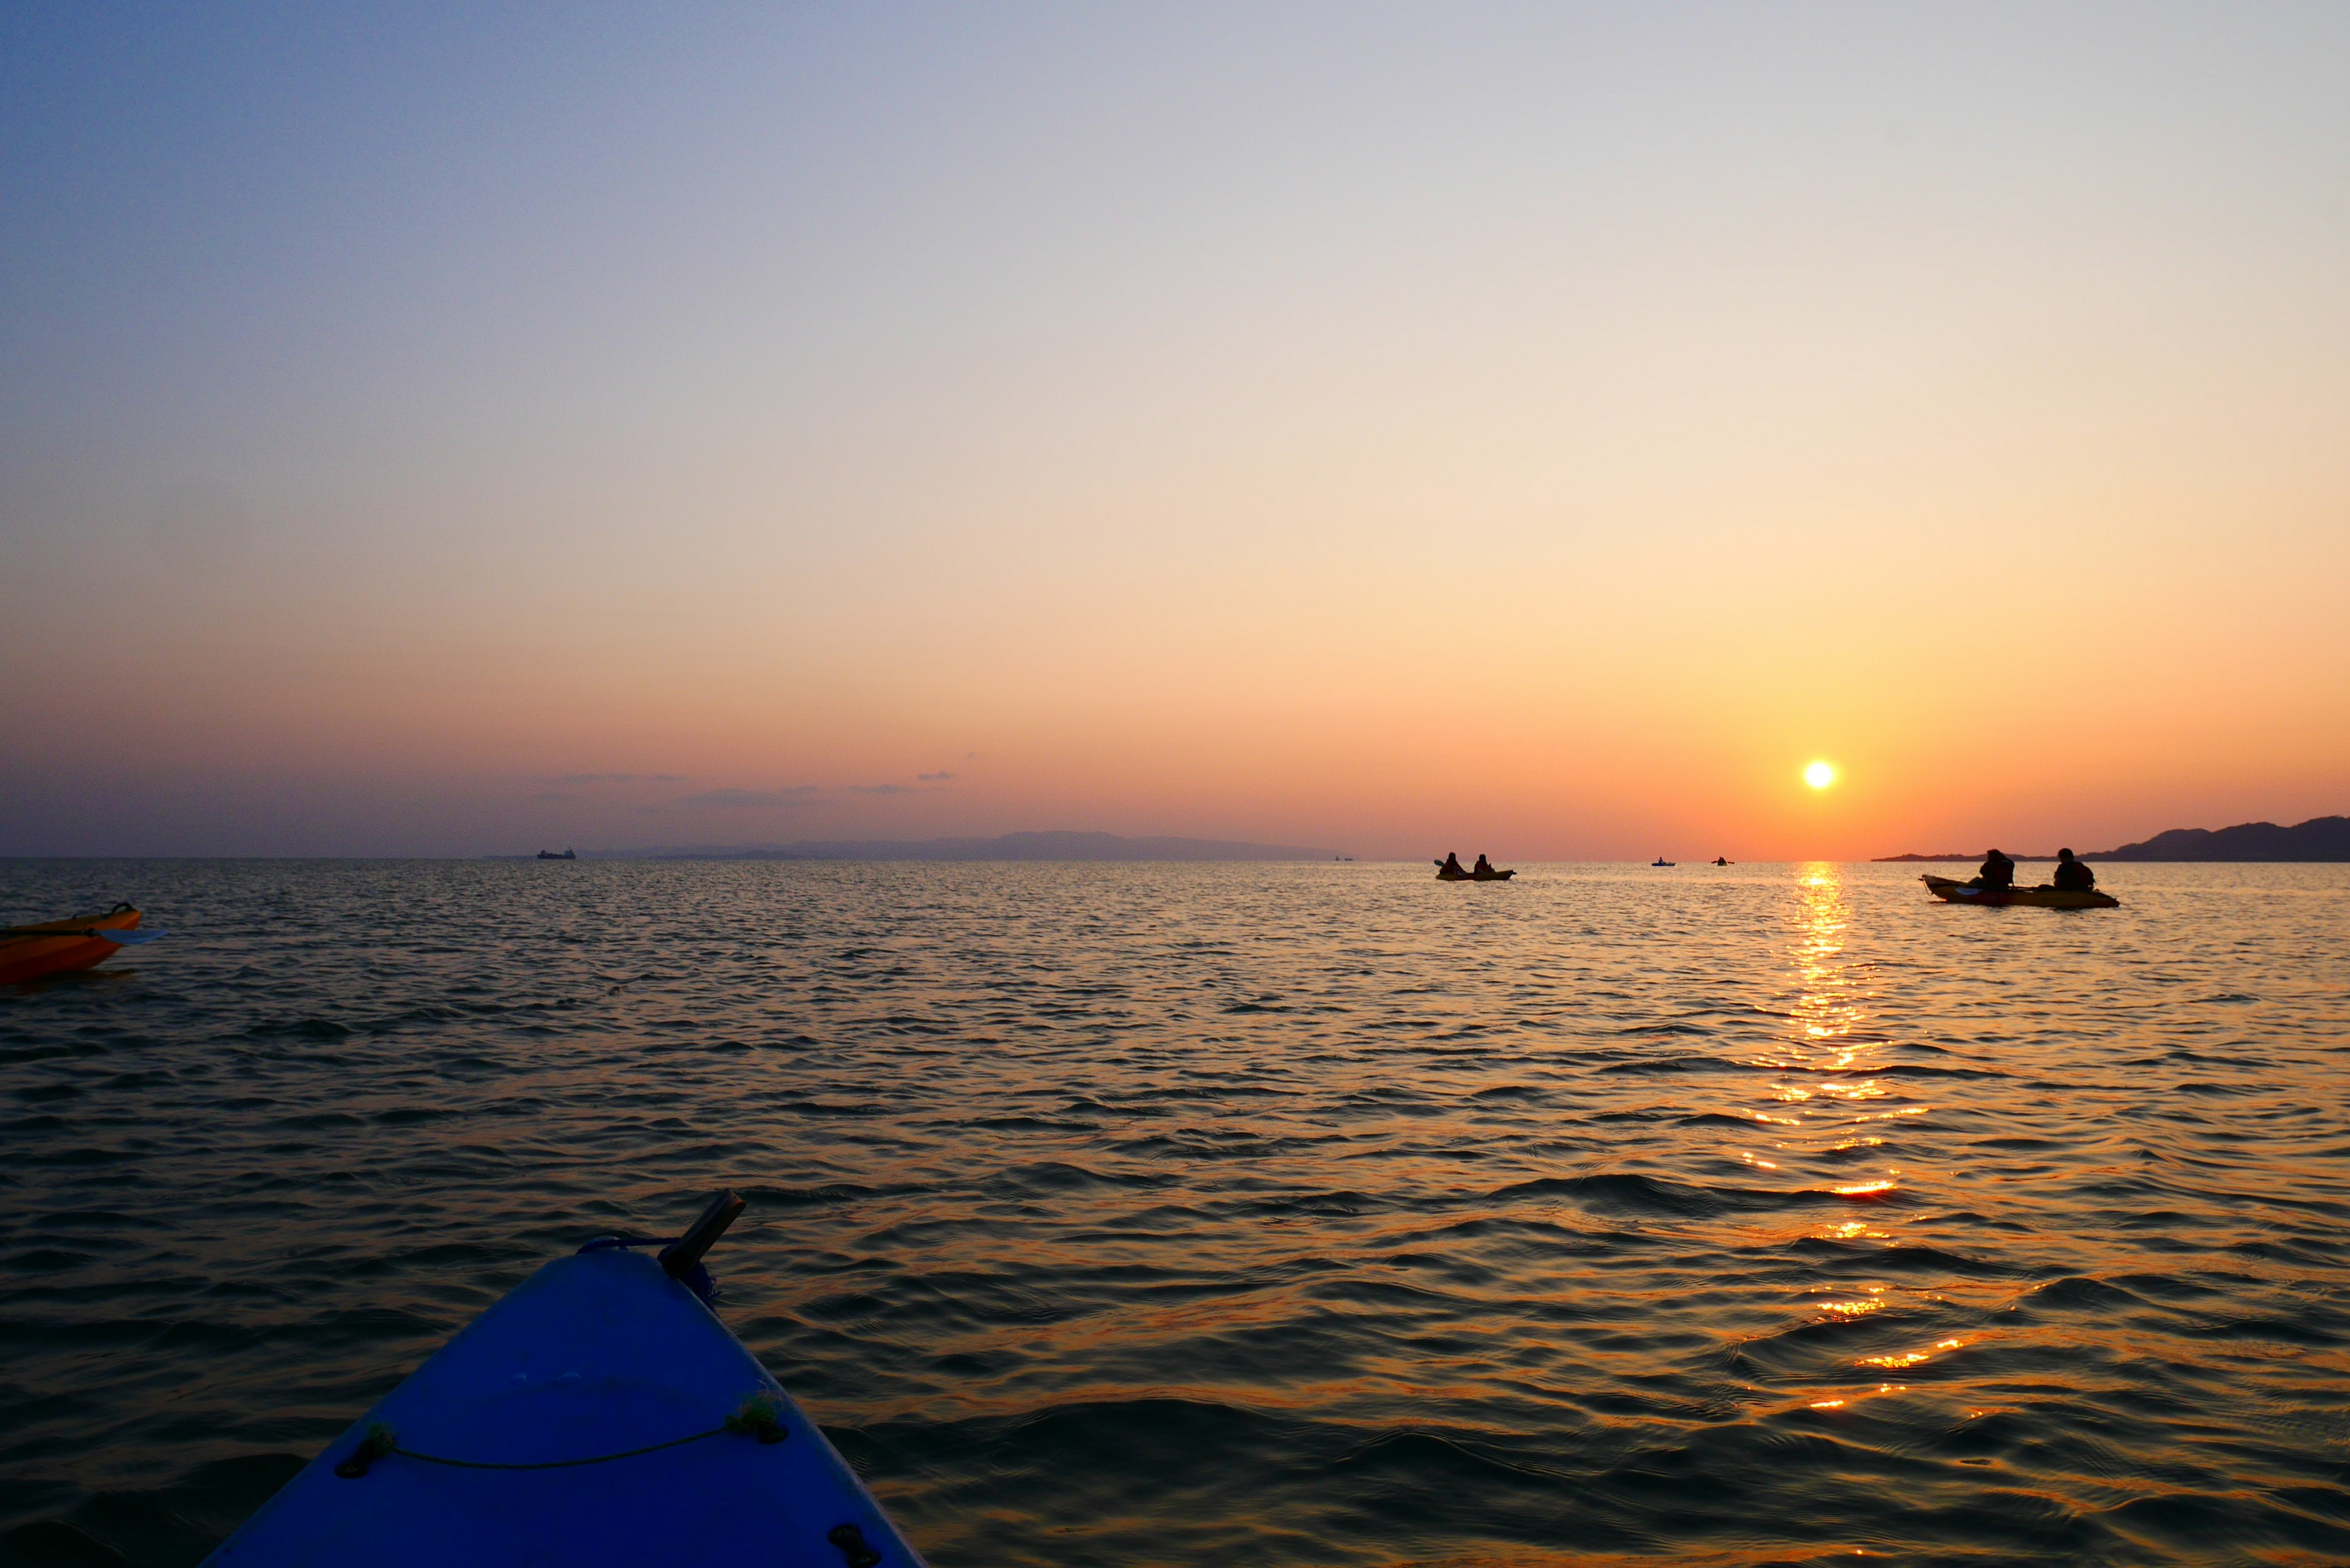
(1952, 891)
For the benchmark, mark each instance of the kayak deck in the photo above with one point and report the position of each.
(583, 1420)
(1952, 891)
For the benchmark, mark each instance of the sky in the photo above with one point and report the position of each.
(1540, 429)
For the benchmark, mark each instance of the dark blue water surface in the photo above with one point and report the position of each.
(1230, 1214)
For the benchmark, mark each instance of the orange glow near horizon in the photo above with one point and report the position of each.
(923, 471)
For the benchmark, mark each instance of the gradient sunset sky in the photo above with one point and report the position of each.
(1540, 429)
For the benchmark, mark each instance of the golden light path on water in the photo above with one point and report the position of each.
(1293, 1214)
(1824, 1072)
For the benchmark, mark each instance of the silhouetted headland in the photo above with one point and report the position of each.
(2319, 838)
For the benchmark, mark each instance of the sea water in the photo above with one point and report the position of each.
(1212, 1214)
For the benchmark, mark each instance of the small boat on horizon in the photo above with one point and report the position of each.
(61, 947)
(1660, 860)
(1722, 860)
(551, 854)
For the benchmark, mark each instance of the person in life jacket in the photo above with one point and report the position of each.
(1452, 867)
(1998, 871)
(2074, 876)
(1485, 867)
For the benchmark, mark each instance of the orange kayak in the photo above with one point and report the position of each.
(28, 952)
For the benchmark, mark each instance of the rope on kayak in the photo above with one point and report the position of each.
(758, 1417)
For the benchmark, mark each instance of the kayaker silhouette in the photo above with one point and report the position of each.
(1452, 864)
(1998, 871)
(2074, 876)
(1485, 867)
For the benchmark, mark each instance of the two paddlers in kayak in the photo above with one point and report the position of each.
(2072, 875)
(1449, 869)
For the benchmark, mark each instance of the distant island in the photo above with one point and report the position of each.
(1956, 854)
(2319, 838)
(1009, 847)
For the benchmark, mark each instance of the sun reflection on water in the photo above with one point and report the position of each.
(1829, 1062)
(1831, 1078)
(1828, 1006)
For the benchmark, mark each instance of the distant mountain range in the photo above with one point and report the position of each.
(1009, 847)
(2319, 838)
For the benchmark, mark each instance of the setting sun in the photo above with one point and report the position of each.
(1819, 775)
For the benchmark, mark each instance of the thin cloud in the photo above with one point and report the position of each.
(755, 799)
(883, 789)
(933, 778)
(577, 779)
(554, 795)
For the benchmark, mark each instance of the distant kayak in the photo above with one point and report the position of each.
(1445, 873)
(599, 1415)
(1660, 860)
(59, 947)
(1956, 892)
